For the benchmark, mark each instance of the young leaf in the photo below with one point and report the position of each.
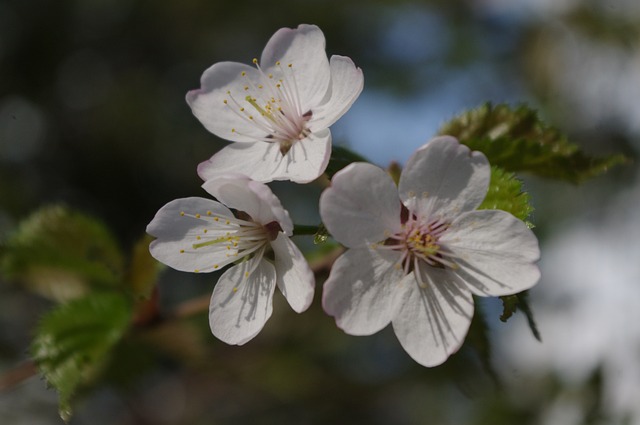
(505, 193)
(58, 253)
(515, 139)
(73, 342)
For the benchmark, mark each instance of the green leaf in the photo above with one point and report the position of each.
(515, 139)
(505, 193)
(73, 342)
(340, 158)
(512, 303)
(59, 253)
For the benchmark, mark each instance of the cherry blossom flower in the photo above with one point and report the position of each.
(279, 111)
(202, 235)
(419, 251)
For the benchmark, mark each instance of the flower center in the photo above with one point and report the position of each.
(271, 103)
(238, 236)
(420, 245)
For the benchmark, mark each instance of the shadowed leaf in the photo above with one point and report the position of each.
(515, 139)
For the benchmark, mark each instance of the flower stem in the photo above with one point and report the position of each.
(299, 230)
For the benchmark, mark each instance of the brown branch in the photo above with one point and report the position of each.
(17, 375)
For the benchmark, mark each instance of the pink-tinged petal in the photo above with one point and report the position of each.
(241, 305)
(304, 49)
(177, 234)
(304, 162)
(294, 276)
(433, 321)
(363, 290)
(444, 178)
(251, 197)
(496, 252)
(222, 94)
(347, 82)
(361, 206)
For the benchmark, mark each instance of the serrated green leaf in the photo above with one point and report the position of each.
(59, 253)
(73, 342)
(340, 158)
(515, 139)
(143, 270)
(505, 193)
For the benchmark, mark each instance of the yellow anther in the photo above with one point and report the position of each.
(290, 65)
(196, 271)
(255, 61)
(243, 73)
(246, 274)
(278, 63)
(216, 219)
(225, 101)
(205, 231)
(198, 237)
(197, 215)
(235, 289)
(215, 266)
(208, 212)
(182, 251)
(270, 75)
(227, 222)
(182, 213)
(241, 109)
(233, 130)
(259, 86)
(278, 85)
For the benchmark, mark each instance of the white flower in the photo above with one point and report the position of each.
(420, 250)
(279, 111)
(202, 235)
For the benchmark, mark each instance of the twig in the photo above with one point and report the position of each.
(16, 375)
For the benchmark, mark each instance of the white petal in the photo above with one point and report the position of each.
(497, 252)
(432, 322)
(258, 161)
(254, 198)
(363, 289)
(176, 235)
(444, 178)
(306, 160)
(225, 120)
(346, 85)
(294, 277)
(240, 305)
(304, 49)
(361, 206)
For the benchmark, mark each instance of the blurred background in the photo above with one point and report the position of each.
(92, 115)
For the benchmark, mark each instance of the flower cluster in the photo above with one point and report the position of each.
(417, 251)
